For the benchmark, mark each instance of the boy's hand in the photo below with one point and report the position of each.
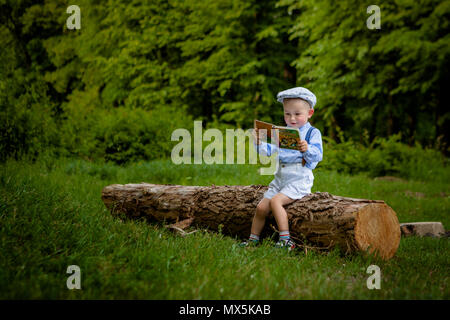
(303, 146)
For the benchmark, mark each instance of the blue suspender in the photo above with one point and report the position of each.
(307, 137)
(308, 134)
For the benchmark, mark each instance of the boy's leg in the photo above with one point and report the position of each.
(276, 204)
(259, 219)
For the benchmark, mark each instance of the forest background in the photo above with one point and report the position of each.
(116, 89)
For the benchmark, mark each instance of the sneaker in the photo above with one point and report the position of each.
(248, 243)
(285, 244)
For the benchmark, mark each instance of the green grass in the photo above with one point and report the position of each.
(51, 216)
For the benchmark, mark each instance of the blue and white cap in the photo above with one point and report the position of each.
(298, 92)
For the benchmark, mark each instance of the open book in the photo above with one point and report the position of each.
(288, 137)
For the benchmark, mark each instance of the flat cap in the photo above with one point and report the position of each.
(298, 92)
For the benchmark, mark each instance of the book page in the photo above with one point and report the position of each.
(289, 138)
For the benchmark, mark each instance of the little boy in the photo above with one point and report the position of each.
(292, 180)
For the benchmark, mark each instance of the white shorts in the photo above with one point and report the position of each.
(292, 180)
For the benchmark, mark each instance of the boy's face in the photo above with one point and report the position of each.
(296, 112)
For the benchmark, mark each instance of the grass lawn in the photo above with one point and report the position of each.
(51, 216)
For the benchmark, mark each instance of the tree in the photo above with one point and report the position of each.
(385, 81)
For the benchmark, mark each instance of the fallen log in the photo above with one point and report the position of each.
(423, 229)
(320, 220)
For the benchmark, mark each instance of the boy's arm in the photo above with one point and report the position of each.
(314, 153)
(264, 148)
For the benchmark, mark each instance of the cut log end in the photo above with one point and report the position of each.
(377, 230)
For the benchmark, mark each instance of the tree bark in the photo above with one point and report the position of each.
(319, 220)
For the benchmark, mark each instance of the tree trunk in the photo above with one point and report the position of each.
(319, 220)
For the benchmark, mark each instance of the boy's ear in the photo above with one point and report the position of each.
(310, 113)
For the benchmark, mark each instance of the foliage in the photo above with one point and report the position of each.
(221, 62)
(127, 136)
(28, 129)
(385, 157)
(386, 81)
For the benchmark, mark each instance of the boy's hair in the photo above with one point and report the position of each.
(305, 102)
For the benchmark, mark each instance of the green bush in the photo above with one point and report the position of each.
(26, 123)
(385, 156)
(124, 135)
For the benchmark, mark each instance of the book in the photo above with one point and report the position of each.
(288, 137)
